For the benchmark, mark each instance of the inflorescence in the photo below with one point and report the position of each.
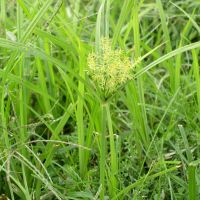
(108, 68)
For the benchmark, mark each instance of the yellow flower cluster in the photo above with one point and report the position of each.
(109, 68)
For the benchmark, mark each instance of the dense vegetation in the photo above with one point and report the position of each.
(72, 127)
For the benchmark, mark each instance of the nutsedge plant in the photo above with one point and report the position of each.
(109, 69)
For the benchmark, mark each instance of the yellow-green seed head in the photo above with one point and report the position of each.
(109, 68)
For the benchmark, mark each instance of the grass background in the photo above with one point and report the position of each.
(57, 141)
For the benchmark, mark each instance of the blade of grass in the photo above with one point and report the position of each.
(23, 122)
(168, 56)
(43, 85)
(192, 189)
(186, 144)
(50, 70)
(35, 20)
(190, 168)
(76, 14)
(168, 44)
(179, 56)
(141, 180)
(80, 113)
(135, 95)
(24, 8)
(99, 25)
(107, 18)
(195, 54)
(189, 17)
(126, 8)
(3, 18)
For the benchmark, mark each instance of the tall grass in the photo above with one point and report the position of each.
(61, 138)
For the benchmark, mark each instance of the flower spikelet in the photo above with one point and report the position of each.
(109, 69)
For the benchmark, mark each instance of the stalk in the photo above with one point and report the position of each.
(103, 149)
(113, 155)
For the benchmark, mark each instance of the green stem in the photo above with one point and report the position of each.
(113, 155)
(103, 150)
